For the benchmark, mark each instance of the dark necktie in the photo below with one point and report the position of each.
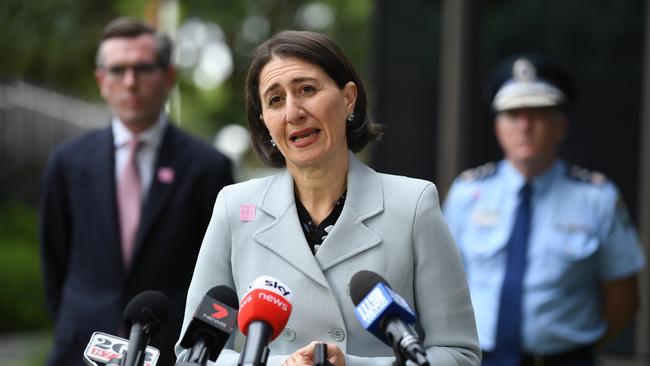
(508, 350)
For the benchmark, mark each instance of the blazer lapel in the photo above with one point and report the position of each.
(159, 191)
(284, 236)
(350, 236)
(102, 194)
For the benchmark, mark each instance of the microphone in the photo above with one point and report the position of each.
(263, 312)
(145, 314)
(387, 316)
(212, 324)
(107, 349)
(320, 355)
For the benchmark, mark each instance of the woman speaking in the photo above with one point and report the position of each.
(326, 216)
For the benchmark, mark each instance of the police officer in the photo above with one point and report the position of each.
(550, 254)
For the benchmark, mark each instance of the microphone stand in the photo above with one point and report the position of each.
(138, 340)
(197, 355)
(256, 351)
(400, 360)
(320, 355)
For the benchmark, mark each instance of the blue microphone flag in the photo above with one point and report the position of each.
(380, 303)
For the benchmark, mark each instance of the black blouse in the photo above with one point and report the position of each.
(315, 234)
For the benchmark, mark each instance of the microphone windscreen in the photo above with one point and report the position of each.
(224, 294)
(362, 283)
(267, 300)
(146, 307)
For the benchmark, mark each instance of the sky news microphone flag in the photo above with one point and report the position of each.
(263, 312)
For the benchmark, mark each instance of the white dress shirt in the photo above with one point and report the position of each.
(150, 140)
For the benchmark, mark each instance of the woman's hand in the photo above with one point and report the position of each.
(305, 355)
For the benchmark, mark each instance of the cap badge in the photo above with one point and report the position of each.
(523, 70)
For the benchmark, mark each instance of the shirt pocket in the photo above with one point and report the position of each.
(569, 260)
(571, 246)
(484, 253)
(483, 243)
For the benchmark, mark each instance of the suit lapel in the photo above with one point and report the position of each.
(350, 236)
(159, 191)
(102, 178)
(284, 236)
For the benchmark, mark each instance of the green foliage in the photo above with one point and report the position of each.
(206, 112)
(132, 7)
(21, 304)
(53, 44)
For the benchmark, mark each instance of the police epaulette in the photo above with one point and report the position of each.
(480, 172)
(585, 175)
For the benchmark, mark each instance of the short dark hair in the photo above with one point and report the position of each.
(319, 50)
(127, 27)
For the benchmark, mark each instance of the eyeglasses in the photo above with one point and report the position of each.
(143, 69)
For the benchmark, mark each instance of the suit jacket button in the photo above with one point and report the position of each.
(288, 334)
(337, 334)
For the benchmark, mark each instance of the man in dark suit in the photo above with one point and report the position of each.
(124, 209)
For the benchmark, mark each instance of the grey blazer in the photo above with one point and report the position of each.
(390, 225)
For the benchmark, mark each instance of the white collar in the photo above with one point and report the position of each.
(152, 136)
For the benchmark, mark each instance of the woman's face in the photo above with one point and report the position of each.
(305, 112)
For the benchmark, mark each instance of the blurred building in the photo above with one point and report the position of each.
(432, 58)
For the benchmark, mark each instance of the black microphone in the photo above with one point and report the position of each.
(212, 324)
(144, 314)
(387, 316)
(320, 355)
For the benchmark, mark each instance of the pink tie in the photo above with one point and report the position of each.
(128, 201)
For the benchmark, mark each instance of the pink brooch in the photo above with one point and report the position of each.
(166, 174)
(247, 212)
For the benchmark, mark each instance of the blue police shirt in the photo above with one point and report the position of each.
(580, 237)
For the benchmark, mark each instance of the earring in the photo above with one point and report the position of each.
(272, 143)
(350, 117)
